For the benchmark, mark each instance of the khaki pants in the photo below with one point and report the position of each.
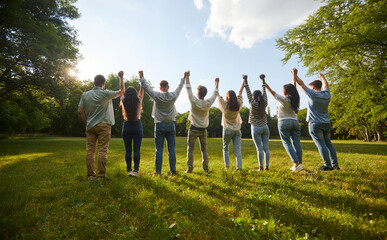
(191, 139)
(101, 133)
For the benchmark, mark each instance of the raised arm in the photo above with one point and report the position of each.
(217, 86)
(178, 89)
(188, 86)
(122, 85)
(248, 92)
(241, 89)
(298, 80)
(324, 81)
(141, 93)
(262, 77)
(294, 75)
(145, 86)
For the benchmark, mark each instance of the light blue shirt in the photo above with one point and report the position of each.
(318, 102)
(98, 106)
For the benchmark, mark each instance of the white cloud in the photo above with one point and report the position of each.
(199, 4)
(246, 22)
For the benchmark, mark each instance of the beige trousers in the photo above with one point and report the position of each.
(101, 133)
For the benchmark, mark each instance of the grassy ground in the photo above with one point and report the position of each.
(44, 194)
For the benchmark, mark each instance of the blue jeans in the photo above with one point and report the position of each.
(261, 140)
(290, 133)
(165, 130)
(132, 131)
(235, 136)
(321, 134)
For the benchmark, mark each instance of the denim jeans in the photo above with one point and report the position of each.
(290, 133)
(261, 140)
(321, 134)
(165, 130)
(132, 132)
(191, 140)
(235, 136)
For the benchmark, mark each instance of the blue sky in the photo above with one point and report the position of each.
(211, 38)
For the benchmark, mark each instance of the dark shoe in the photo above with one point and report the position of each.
(325, 168)
(188, 171)
(174, 173)
(336, 168)
(267, 168)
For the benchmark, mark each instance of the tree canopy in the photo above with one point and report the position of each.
(346, 39)
(37, 48)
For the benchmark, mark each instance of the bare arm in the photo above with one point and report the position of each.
(262, 77)
(294, 75)
(241, 89)
(141, 93)
(216, 86)
(81, 113)
(324, 81)
(122, 85)
(301, 83)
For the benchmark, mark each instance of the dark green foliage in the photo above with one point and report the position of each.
(346, 39)
(37, 47)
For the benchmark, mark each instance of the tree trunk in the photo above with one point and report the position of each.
(366, 133)
(380, 133)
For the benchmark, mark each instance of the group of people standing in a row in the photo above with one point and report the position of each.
(96, 111)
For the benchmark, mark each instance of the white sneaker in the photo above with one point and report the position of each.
(130, 173)
(91, 178)
(299, 168)
(293, 168)
(135, 174)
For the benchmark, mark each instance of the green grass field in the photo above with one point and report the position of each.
(44, 194)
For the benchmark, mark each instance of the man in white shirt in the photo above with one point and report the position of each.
(199, 120)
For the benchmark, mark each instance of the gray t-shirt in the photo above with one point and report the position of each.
(98, 106)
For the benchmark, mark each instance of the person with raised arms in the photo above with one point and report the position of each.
(257, 118)
(288, 126)
(199, 119)
(96, 111)
(231, 122)
(164, 114)
(319, 97)
(132, 131)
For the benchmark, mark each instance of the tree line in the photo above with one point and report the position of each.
(345, 39)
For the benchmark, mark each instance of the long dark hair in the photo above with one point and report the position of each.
(232, 101)
(293, 95)
(131, 105)
(258, 97)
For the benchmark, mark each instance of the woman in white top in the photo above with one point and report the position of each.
(132, 128)
(288, 125)
(231, 122)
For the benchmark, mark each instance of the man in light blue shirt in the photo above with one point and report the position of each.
(164, 114)
(96, 111)
(319, 97)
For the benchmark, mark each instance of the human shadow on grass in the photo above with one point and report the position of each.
(290, 216)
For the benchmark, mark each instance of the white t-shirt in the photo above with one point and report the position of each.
(284, 110)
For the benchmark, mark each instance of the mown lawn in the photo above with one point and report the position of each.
(44, 194)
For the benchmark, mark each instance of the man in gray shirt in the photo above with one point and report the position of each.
(96, 111)
(163, 113)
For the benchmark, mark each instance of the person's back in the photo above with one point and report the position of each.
(98, 106)
(318, 102)
(96, 111)
(164, 114)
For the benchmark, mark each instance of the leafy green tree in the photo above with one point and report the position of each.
(245, 127)
(346, 39)
(37, 47)
(182, 124)
(214, 127)
(301, 116)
